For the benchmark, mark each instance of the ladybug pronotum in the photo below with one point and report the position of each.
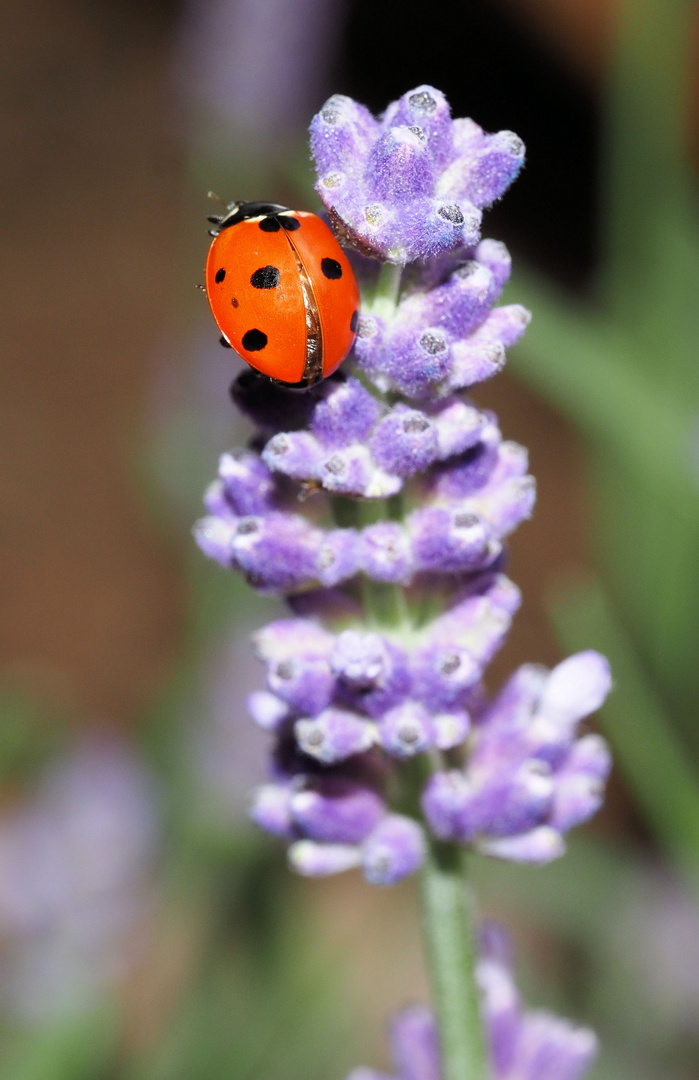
(282, 291)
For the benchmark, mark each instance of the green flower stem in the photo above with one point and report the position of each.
(448, 921)
(385, 607)
(387, 292)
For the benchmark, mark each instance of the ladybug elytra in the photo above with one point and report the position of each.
(282, 291)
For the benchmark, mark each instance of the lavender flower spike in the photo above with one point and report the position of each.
(378, 505)
(345, 704)
(522, 1045)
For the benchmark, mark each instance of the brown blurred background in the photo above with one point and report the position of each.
(92, 271)
(96, 273)
(92, 179)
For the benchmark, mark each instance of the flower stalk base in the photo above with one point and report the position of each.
(450, 938)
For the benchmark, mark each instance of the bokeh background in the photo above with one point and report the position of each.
(145, 930)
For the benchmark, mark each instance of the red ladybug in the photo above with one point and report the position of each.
(281, 291)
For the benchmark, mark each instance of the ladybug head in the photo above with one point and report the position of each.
(242, 211)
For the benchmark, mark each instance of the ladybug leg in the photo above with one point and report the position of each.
(226, 344)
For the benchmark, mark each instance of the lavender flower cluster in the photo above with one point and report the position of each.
(523, 1045)
(386, 478)
(470, 490)
(413, 184)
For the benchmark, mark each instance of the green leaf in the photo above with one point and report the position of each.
(647, 751)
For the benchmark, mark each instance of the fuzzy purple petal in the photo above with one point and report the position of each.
(427, 109)
(542, 845)
(448, 541)
(494, 255)
(334, 735)
(406, 730)
(214, 537)
(277, 553)
(295, 453)
(310, 859)
(336, 811)
(360, 659)
(450, 728)
(386, 553)
(577, 687)
(394, 850)
(442, 674)
(414, 1044)
(501, 1010)
(404, 442)
(446, 802)
(247, 482)
(348, 414)
(271, 810)
(512, 804)
(267, 710)
(552, 1049)
(306, 684)
(286, 638)
(399, 167)
(339, 557)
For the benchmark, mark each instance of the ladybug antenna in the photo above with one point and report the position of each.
(215, 197)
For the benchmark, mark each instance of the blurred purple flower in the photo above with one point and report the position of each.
(523, 1045)
(652, 936)
(75, 864)
(257, 66)
(223, 749)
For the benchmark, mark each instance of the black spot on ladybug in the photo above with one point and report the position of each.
(269, 224)
(220, 275)
(226, 344)
(254, 340)
(267, 277)
(331, 268)
(291, 224)
(354, 322)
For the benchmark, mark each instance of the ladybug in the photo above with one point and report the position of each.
(282, 291)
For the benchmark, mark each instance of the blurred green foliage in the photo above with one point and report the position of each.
(623, 367)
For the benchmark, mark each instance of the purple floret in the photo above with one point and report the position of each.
(522, 1045)
(529, 777)
(393, 851)
(336, 811)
